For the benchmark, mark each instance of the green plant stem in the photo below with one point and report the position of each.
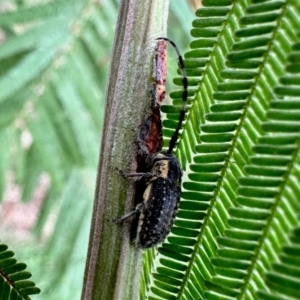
(113, 262)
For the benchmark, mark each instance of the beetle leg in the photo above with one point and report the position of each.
(138, 176)
(135, 176)
(127, 216)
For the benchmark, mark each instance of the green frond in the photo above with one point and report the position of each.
(58, 64)
(14, 283)
(239, 149)
(283, 276)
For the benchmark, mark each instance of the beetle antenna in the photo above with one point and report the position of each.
(184, 96)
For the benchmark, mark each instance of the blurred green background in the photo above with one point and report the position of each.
(54, 60)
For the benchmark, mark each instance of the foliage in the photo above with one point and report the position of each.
(14, 283)
(237, 230)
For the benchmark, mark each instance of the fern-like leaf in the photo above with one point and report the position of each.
(14, 283)
(239, 149)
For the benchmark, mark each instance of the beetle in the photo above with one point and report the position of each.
(161, 197)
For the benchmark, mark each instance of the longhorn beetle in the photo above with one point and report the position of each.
(163, 184)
